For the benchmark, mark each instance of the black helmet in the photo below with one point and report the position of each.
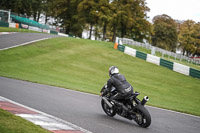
(113, 70)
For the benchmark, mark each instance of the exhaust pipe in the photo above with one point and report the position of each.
(144, 100)
(107, 102)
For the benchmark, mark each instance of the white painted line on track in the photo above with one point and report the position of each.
(2, 99)
(4, 33)
(54, 122)
(25, 43)
(36, 116)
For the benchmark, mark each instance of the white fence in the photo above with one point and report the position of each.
(162, 51)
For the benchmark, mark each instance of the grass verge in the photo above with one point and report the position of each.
(6, 29)
(10, 123)
(83, 65)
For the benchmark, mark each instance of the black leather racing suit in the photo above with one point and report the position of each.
(123, 87)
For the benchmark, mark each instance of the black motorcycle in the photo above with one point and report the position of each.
(136, 110)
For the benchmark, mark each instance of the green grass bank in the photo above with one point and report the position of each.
(10, 123)
(82, 65)
(6, 29)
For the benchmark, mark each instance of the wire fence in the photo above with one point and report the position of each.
(164, 53)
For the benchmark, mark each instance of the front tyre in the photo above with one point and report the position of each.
(109, 111)
(143, 117)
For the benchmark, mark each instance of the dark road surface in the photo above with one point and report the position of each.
(10, 40)
(84, 110)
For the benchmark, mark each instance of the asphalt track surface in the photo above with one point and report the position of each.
(84, 110)
(10, 40)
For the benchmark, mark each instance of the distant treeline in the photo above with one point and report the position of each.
(108, 19)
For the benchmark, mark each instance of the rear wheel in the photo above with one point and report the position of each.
(143, 117)
(109, 111)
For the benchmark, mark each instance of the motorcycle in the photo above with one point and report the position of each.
(136, 110)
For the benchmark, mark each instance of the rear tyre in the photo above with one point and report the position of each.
(109, 111)
(143, 117)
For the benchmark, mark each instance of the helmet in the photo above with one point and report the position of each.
(113, 70)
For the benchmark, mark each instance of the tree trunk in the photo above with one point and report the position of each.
(34, 16)
(104, 31)
(183, 51)
(91, 26)
(46, 19)
(67, 30)
(114, 34)
(38, 16)
(123, 31)
(96, 32)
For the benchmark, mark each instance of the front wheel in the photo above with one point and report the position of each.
(109, 111)
(143, 117)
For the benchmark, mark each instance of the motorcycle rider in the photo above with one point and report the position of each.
(123, 88)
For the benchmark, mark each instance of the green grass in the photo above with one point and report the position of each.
(6, 29)
(83, 65)
(10, 123)
(148, 51)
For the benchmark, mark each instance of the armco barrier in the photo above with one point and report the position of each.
(141, 55)
(34, 28)
(181, 68)
(153, 59)
(167, 64)
(24, 26)
(12, 25)
(130, 51)
(61, 34)
(53, 32)
(158, 61)
(194, 73)
(121, 48)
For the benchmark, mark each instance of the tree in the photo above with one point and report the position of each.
(129, 19)
(88, 11)
(104, 14)
(164, 32)
(196, 35)
(65, 12)
(37, 8)
(47, 4)
(115, 19)
(189, 37)
(123, 18)
(6, 5)
(138, 26)
(23, 7)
